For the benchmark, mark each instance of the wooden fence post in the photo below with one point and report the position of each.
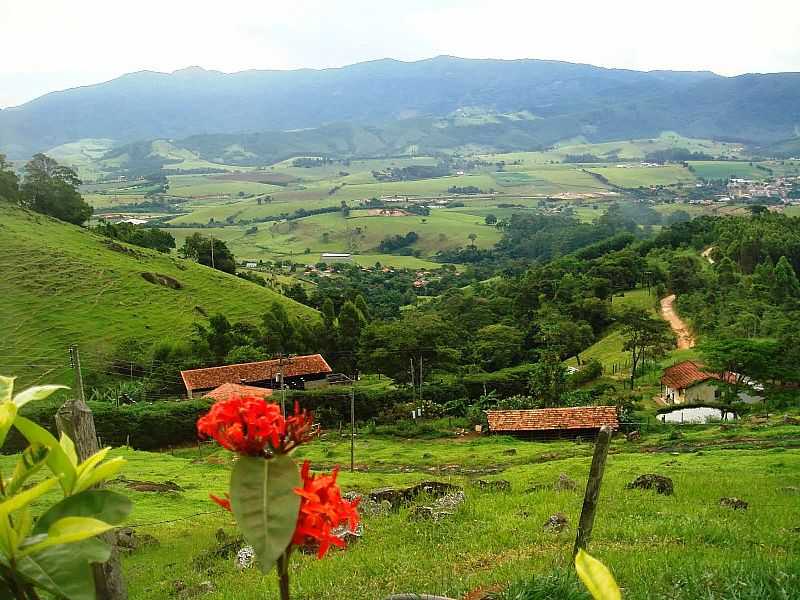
(592, 493)
(75, 419)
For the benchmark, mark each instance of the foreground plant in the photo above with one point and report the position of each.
(596, 577)
(54, 552)
(277, 506)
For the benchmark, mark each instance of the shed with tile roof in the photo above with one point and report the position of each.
(234, 390)
(299, 372)
(572, 422)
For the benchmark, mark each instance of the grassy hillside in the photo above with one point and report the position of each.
(60, 284)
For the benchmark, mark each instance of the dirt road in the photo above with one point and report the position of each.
(685, 338)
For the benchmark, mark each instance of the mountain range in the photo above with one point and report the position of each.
(528, 103)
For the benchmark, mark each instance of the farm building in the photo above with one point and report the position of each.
(228, 390)
(580, 421)
(329, 257)
(299, 372)
(687, 382)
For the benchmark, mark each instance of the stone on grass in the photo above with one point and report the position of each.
(497, 485)
(651, 481)
(245, 558)
(633, 436)
(510, 452)
(565, 484)
(396, 497)
(442, 507)
(556, 523)
(734, 503)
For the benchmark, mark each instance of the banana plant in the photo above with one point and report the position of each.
(48, 546)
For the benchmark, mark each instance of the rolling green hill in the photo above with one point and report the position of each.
(60, 284)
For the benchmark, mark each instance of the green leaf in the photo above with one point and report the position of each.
(89, 464)
(105, 505)
(100, 474)
(40, 392)
(24, 498)
(6, 388)
(67, 531)
(265, 505)
(57, 460)
(31, 460)
(8, 412)
(69, 448)
(65, 570)
(596, 577)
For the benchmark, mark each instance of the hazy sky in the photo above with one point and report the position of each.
(49, 45)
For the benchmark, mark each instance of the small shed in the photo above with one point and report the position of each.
(548, 423)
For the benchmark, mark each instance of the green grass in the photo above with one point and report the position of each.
(632, 177)
(496, 539)
(61, 285)
(724, 170)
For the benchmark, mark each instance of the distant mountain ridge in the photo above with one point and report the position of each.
(566, 99)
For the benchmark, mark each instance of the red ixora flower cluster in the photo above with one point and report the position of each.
(251, 426)
(322, 510)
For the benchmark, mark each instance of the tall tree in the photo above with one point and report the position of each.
(786, 287)
(278, 330)
(643, 335)
(548, 380)
(9, 183)
(351, 322)
(52, 189)
(211, 252)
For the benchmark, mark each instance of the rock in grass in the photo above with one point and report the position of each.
(510, 452)
(651, 481)
(128, 540)
(396, 497)
(497, 485)
(556, 523)
(633, 436)
(734, 503)
(565, 484)
(245, 558)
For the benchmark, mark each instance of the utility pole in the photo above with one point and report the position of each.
(283, 388)
(352, 425)
(413, 393)
(212, 251)
(420, 380)
(75, 419)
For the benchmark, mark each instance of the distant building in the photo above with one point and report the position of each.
(329, 257)
(299, 372)
(228, 390)
(250, 264)
(579, 421)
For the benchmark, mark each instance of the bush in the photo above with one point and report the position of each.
(506, 382)
(588, 372)
(331, 405)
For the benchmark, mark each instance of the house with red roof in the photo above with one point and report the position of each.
(570, 422)
(688, 382)
(297, 372)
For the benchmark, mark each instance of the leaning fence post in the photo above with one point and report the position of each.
(592, 493)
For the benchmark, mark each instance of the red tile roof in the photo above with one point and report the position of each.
(228, 390)
(685, 374)
(579, 417)
(265, 370)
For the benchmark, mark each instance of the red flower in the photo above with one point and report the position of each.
(244, 425)
(322, 510)
(223, 502)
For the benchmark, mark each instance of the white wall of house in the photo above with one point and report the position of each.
(700, 392)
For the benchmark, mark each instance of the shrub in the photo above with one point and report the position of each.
(506, 382)
(589, 372)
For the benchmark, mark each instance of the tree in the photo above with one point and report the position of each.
(497, 346)
(361, 305)
(548, 380)
(278, 331)
(785, 287)
(297, 292)
(351, 322)
(490, 219)
(643, 335)
(199, 248)
(217, 337)
(472, 237)
(52, 189)
(9, 183)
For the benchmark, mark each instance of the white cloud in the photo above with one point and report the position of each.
(53, 44)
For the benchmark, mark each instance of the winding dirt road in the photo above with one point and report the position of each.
(685, 337)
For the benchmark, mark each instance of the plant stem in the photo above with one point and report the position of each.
(283, 574)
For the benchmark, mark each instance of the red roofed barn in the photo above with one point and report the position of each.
(299, 372)
(580, 421)
(228, 390)
(686, 382)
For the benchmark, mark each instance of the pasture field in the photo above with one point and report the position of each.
(205, 185)
(360, 232)
(495, 539)
(632, 177)
(61, 285)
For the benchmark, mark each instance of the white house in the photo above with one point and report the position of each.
(686, 382)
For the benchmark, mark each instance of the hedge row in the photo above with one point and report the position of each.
(142, 426)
